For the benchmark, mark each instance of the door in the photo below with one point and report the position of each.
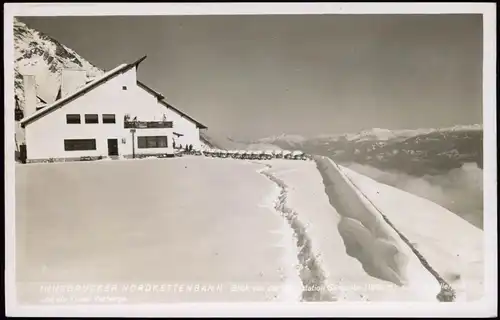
(112, 147)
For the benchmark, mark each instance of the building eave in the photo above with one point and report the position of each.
(199, 125)
(158, 95)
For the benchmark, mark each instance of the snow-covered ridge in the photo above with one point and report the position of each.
(386, 134)
(378, 134)
(292, 138)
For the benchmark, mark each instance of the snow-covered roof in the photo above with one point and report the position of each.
(91, 85)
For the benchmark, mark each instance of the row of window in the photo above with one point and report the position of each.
(90, 118)
(143, 142)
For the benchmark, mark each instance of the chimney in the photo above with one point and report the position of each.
(71, 81)
(30, 99)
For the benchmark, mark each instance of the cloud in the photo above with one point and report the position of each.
(459, 190)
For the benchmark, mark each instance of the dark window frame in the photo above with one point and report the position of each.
(152, 142)
(124, 88)
(80, 145)
(108, 120)
(92, 118)
(74, 116)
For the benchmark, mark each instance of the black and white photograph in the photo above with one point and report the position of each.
(163, 155)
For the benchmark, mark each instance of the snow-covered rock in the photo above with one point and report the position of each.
(44, 57)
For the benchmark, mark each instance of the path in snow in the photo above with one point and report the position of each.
(311, 275)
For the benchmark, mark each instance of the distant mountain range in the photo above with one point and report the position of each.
(416, 152)
(220, 141)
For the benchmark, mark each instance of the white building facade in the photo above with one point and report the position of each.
(112, 116)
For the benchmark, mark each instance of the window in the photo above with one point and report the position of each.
(152, 142)
(141, 142)
(108, 118)
(124, 88)
(162, 142)
(79, 144)
(73, 118)
(91, 118)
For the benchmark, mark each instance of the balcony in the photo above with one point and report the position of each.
(147, 124)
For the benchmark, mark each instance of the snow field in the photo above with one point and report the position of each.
(298, 227)
(183, 221)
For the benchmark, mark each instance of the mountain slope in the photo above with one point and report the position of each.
(40, 55)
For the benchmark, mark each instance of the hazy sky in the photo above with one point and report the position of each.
(254, 76)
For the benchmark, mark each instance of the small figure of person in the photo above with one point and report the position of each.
(190, 147)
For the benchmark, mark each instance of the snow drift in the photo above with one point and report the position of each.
(451, 245)
(459, 190)
(370, 239)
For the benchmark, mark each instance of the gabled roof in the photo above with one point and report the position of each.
(158, 95)
(161, 98)
(97, 82)
(199, 125)
(91, 85)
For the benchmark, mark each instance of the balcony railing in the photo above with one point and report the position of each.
(147, 124)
